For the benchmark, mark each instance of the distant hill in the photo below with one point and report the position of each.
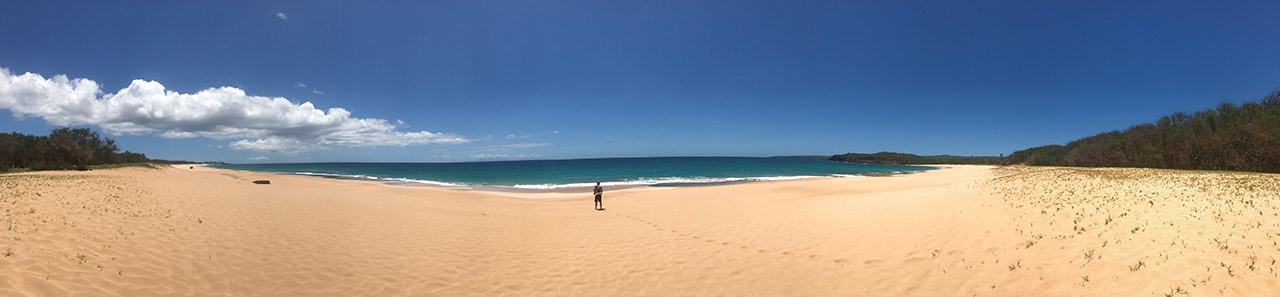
(910, 159)
(1242, 137)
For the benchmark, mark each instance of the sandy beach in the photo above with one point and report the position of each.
(961, 231)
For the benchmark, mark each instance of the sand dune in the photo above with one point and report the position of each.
(964, 231)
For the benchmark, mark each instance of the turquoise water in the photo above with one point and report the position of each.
(552, 174)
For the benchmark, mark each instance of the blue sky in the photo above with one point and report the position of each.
(482, 80)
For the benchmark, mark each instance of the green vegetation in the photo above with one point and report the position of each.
(65, 148)
(909, 159)
(1231, 137)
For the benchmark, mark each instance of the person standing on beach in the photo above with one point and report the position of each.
(599, 192)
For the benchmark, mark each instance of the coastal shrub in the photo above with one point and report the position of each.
(64, 148)
(1244, 137)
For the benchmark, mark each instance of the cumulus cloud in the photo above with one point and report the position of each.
(265, 124)
(276, 145)
(262, 158)
(282, 16)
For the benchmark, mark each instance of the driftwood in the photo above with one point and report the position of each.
(262, 182)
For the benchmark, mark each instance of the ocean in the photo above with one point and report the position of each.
(555, 174)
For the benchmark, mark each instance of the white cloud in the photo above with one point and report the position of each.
(282, 16)
(511, 136)
(507, 147)
(502, 156)
(276, 145)
(262, 158)
(267, 124)
(304, 86)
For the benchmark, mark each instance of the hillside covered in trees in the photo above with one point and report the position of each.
(1242, 137)
(64, 148)
(909, 159)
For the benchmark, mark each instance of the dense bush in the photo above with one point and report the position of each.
(64, 148)
(1231, 137)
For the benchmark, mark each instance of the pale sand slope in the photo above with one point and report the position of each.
(966, 231)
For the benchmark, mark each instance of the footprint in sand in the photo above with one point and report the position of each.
(913, 260)
(787, 253)
(955, 253)
(872, 262)
(762, 251)
(841, 261)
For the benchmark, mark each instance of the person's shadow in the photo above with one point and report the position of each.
(600, 209)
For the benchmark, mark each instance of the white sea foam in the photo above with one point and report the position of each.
(420, 181)
(366, 177)
(635, 182)
(664, 180)
(847, 175)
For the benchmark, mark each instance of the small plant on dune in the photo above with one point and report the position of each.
(83, 258)
(1135, 267)
(1175, 291)
(8, 252)
(1088, 255)
(1085, 277)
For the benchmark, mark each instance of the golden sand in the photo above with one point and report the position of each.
(964, 231)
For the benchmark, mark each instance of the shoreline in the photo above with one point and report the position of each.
(569, 189)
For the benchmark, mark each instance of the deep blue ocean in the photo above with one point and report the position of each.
(552, 174)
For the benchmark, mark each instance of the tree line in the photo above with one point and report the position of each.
(64, 148)
(1243, 137)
